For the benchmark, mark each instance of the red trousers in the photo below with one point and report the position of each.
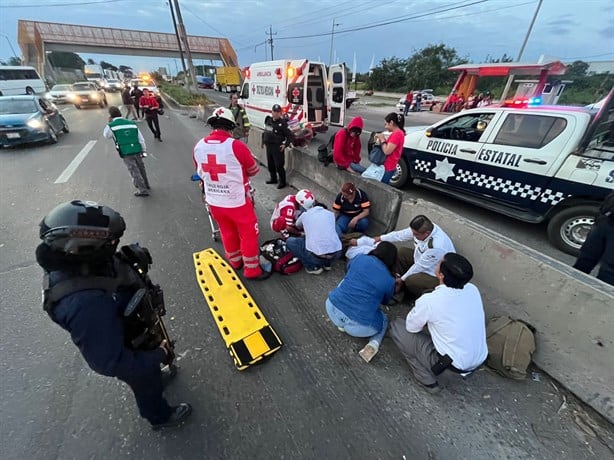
(239, 231)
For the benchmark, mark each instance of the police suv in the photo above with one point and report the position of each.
(535, 164)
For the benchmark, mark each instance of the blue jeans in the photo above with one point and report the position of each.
(353, 328)
(388, 175)
(344, 220)
(296, 245)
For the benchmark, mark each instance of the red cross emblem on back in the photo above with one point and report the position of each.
(213, 168)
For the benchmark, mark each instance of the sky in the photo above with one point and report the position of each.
(477, 29)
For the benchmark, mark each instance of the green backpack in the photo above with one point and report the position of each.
(511, 343)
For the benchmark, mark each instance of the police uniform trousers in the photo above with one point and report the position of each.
(418, 283)
(417, 349)
(149, 398)
(276, 161)
(136, 168)
(239, 232)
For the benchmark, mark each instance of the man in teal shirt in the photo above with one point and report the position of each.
(130, 145)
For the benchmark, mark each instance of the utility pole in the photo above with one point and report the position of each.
(270, 40)
(332, 36)
(183, 34)
(185, 71)
(510, 79)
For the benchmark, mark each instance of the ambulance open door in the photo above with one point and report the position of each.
(337, 94)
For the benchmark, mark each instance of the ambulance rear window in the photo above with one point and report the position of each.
(530, 131)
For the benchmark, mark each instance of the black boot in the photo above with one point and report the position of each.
(178, 416)
(271, 181)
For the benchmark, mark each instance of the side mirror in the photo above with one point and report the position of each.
(431, 132)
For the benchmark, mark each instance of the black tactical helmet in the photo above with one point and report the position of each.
(82, 228)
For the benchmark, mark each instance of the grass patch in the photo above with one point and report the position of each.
(182, 95)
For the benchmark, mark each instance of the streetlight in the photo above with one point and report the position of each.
(332, 36)
(9, 42)
(510, 79)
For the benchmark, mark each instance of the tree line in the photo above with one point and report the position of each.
(428, 68)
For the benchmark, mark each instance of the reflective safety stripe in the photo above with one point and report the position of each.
(246, 332)
(251, 262)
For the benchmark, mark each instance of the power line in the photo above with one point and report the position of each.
(591, 56)
(41, 5)
(386, 22)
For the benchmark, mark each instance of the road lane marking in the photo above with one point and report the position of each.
(74, 164)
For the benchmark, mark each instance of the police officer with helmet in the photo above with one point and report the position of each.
(88, 290)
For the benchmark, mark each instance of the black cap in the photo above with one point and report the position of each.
(276, 108)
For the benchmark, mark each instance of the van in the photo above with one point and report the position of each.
(308, 94)
(17, 80)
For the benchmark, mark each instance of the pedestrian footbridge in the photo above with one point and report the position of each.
(37, 38)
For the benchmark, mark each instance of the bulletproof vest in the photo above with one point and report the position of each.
(125, 277)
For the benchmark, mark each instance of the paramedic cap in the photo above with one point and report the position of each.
(348, 188)
(276, 108)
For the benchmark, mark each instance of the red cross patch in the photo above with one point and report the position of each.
(213, 168)
(219, 112)
(295, 92)
(277, 91)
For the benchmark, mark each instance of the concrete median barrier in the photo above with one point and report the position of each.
(305, 171)
(572, 312)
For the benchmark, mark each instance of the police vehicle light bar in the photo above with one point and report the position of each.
(523, 102)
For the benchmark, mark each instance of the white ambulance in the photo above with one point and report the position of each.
(308, 94)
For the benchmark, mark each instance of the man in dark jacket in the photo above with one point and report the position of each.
(276, 137)
(128, 102)
(87, 291)
(599, 244)
(136, 94)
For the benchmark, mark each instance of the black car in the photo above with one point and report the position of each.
(26, 119)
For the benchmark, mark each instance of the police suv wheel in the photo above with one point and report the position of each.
(568, 229)
(401, 174)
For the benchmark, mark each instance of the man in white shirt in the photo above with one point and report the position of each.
(418, 265)
(321, 245)
(454, 315)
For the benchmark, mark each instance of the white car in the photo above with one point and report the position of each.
(113, 85)
(145, 84)
(60, 94)
(428, 101)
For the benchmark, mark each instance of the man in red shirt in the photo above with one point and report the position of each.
(225, 165)
(149, 105)
(409, 97)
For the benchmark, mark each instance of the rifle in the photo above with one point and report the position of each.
(144, 327)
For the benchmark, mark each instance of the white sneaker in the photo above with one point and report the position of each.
(315, 271)
(369, 351)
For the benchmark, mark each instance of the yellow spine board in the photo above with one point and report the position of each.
(246, 332)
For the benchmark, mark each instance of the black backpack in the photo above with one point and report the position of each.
(325, 154)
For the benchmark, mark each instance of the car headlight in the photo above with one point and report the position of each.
(94, 96)
(34, 123)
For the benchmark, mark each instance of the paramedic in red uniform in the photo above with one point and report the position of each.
(225, 164)
(287, 211)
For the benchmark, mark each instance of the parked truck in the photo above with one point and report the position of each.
(95, 73)
(227, 79)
